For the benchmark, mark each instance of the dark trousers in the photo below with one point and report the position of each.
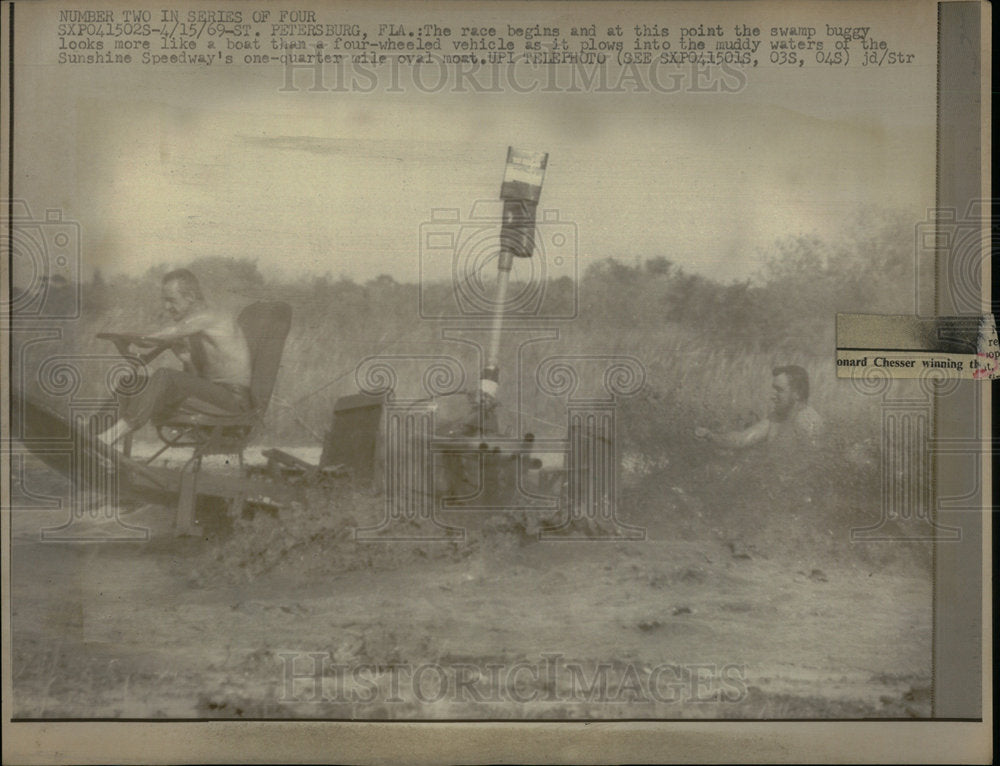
(167, 389)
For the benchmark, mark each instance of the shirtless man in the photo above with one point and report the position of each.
(791, 416)
(212, 348)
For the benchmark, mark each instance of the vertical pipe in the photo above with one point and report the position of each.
(521, 188)
(491, 373)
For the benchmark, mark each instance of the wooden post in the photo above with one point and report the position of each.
(185, 522)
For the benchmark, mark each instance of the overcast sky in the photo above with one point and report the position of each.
(166, 165)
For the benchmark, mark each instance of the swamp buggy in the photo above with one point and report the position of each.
(444, 451)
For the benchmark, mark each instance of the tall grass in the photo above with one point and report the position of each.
(707, 347)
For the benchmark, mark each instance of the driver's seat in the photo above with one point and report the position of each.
(211, 430)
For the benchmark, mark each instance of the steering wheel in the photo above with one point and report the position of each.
(123, 340)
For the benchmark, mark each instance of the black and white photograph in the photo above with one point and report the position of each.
(466, 363)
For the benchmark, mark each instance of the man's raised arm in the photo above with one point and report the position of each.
(736, 439)
(184, 329)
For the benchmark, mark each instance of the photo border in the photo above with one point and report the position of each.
(949, 740)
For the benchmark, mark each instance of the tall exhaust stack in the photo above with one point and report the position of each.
(520, 192)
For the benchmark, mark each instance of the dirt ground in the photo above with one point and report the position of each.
(288, 616)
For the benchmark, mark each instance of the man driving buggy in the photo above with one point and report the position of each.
(212, 348)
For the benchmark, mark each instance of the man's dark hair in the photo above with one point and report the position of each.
(798, 379)
(187, 280)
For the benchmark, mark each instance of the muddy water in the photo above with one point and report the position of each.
(130, 629)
